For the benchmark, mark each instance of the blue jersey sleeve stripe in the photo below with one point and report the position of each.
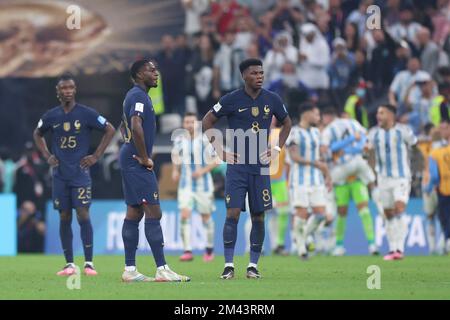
(378, 148)
(387, 146)
(399, 154)
(302, 154)
(313, 157)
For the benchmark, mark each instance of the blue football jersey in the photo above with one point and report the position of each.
(71, 138)
(137, 103)
(250, 121)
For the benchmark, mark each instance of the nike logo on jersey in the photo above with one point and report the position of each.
(266, 204)
(56, 125)
(241, 110)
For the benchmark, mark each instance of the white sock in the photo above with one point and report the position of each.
(130, 268)
(90, 263)
(313, 223)
(319, 236)
(300, 238)
(164, 267)
(229, 264)
(252, 265)
(390, 234)
(403, 232)
(186, 234)
(209, 228)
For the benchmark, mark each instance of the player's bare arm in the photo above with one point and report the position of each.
(202, 171)
(285, 130)
(273, 151)
(139, 141)
(208, 123)
(41, 144)
(91, 159)
(295, 156)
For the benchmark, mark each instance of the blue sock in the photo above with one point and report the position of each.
(87, 237)
(229, 238)
(256, 240)
(65, 233)
(154, 235)
(130, 236)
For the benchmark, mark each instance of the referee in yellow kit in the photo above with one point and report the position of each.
(439, 169)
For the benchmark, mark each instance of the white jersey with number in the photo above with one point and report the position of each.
(391, 150)
(308, 143)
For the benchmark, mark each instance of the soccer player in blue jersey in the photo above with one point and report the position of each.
(140, 186)
(249, 111)
(70, 125)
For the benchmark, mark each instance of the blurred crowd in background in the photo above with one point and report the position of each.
(320, 51)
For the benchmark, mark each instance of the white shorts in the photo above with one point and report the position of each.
(355, 167)
(430, 202)
(202, 201)
(394, 190)
(308, 196)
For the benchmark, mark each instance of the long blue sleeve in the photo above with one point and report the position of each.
(434, 175)
(358, 148)
(339, 145)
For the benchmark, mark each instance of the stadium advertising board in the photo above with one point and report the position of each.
(107, 218)
(8, 225)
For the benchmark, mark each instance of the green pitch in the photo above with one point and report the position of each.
(33, 277)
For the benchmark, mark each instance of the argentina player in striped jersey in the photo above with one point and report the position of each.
(194, 158)
(309, 176)
(391, 142)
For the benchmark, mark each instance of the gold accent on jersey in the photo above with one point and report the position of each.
(255, 127)
(77, 125)
(266, 195)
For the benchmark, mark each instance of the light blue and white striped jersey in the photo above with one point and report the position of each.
(391, 150)
(338, 130)
(308, 142)
(194, 154)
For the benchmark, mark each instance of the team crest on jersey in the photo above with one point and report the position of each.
(77, 125)
(155, 195)
(266, 111)
(66, 126)
(228, 198)
(255, 111)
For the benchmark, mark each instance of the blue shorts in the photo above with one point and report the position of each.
(67, 195)
(239, 183)
(140, 187)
